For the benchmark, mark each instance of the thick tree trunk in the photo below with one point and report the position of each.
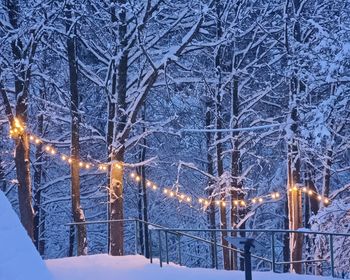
(22, 142)
(294, 203)
(116, 174)
(78, 214)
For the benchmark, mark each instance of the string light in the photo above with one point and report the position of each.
(17, 129)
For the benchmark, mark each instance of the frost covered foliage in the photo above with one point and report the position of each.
(333, 219)
(219, 100)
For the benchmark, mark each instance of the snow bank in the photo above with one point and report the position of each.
(19, 259)
(138, 268)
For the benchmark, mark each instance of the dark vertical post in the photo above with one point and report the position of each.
(247, 261)
(150, 247)
(179, 247)
(167, 247)
(160, 248)
(273, 252)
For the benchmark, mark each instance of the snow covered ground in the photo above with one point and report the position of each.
(19, 259)
(104, 267)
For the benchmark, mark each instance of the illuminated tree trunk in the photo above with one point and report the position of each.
(22, 161)
(78, 214)
(294, 197)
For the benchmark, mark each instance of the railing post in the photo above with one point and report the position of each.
(332, 254)
(150, 246)
(136, 237)
(215, 251)
(166, 247)
(273, 252)
(179, 247)
(160, 248)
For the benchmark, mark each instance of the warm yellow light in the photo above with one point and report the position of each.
(277, 195)
(138, 178)
(223, 203)
(81, 164)
(243, 203)
(154, 187)
(295, 188)
(188, 199)
(87, 166)
(47, 148)
(132, 175)
(254, 200)
(273, 196)
(171, 194)
(37, 141)
(235, 202)
(200, 200)
(148, 184)
(31, 137)
(69, 160)
(182, 196)
(310, 192)
(63, 157)
(206, 202)
(304, 189)
(104, 167)
(326, 200)
(165, 191)
(319, 197)
(261, 199)
(118, 166)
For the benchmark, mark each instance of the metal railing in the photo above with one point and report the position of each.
(162, 234)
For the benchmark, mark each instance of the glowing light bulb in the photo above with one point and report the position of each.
(154, 187)
(47, 148)
(206, 202)
(132, 175)
(217, 202)
(148, 184)
(200, 200)
(224, 204)
(243, 203)
(261, 199)
(69, 160)
(37, 141)
(87, 166)
(138, 178)
(295, 188)
(171, 194)
(277, 195)
(63, 157)
(273, 196)
(165, 191)
(188, 199)
(326, 200)
(310, 192)
(304, 189)
(319, 197)
(31, 137)
(53, 152)
(81, 164)
(254, 200)
(182, 196)
(235, 202)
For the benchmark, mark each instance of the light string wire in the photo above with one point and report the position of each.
(18, 129)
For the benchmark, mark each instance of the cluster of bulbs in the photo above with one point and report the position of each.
(17, 128)
(311, 193)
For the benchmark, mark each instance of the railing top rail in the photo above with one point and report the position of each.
(255, 230)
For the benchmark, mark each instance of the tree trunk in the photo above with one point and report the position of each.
(116, 174)
(294, 202)
(37, 191)
(78, 214)
(236, 211)
(22, 161)
(210, 170)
